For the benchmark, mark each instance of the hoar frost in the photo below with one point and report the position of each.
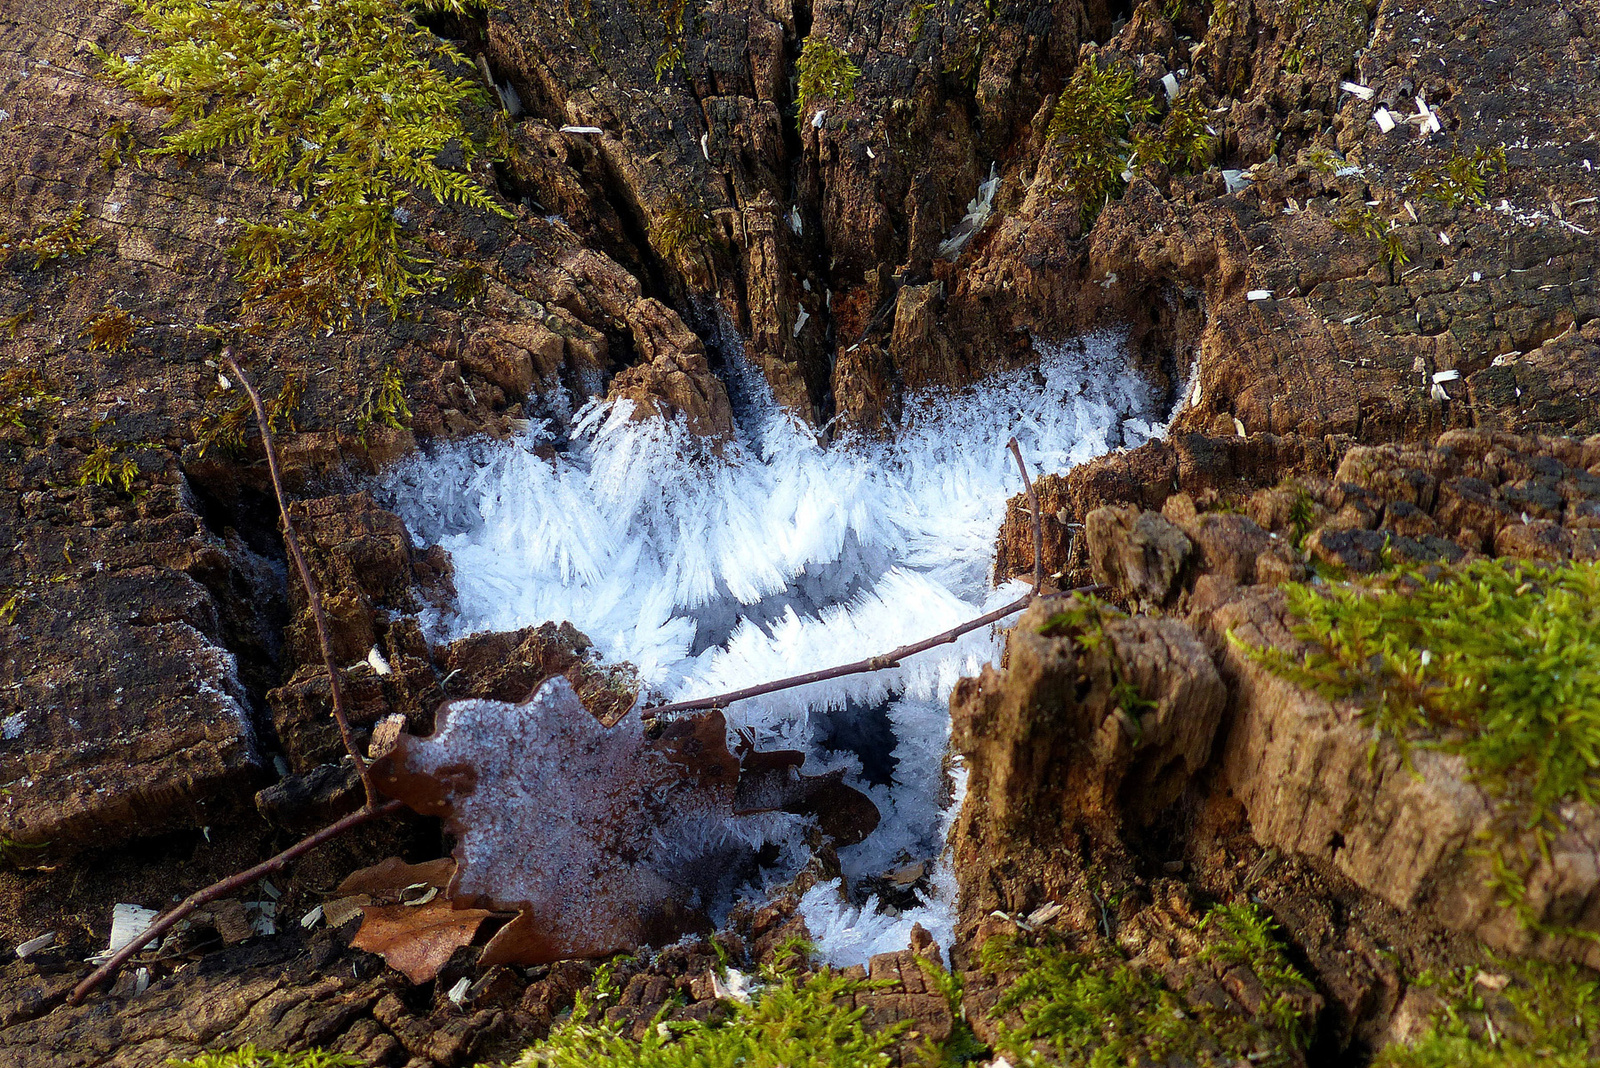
(716, 568)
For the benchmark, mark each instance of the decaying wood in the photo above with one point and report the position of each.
(313, 593)
(374, 808)
(223, 889)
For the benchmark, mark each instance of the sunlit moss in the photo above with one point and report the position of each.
(824, 73)
(1093, 126)
(108, 466)
(384, 403)
(350, 103)
(793, 1021)
(1364, 222)
(1462, 178)
(1496, 661)
(1549, 1017)
(53, 242)
(1071, 1007)
(110, 330)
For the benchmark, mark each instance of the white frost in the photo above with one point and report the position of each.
(12, 726)
(712, 570)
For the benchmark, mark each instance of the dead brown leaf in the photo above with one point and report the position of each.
(598, 836)
(417, 941)
(394, 874)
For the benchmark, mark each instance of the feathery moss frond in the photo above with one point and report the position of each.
(350, 103)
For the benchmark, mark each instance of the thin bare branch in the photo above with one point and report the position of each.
(222, 889)
(313, 594)
(872, 663)
(1038, 522)
(894, 656)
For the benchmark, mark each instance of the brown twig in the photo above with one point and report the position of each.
(894, 656)
(313, 594)
(220, 889)
(1038, 525)
(873, 663)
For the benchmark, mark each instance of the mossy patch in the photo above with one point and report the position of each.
(794, 1020)
(350, 103)
(1094, 124)
(1084, 621)
(27, 399)
(110, 330)
(1248, 936)
(230, 418)
(52, 242)
(1092, 1007)
(1364, 222)
(1497, 662)
(681, 226)
(1549, 1016)
(1462, 178)
(823, 73)
(108, 465)
(384, 403)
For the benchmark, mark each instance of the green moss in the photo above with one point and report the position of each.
(792, 1021)
(1302, 516)
(114, 144)
(10, 605)
(282, 408)
(1084, 621)
(1248, 936)
(1462, 178)
(225, 429)
(251, 1057)
(13, 324)
(349, 103)
(384, 403)
(109, 331)
(1497, 662)
(1091, 123)
(680, 226)
(666, 21)
(962, 1046)
(824, 73)
(1094, 125)
(25, 395)
(1324, 161)
(1549, 1016)
(109, 465)
(1364, 222)
(53, 242)
(227, 425)
(467, 284)
(1183, 143)
(1097, 1010)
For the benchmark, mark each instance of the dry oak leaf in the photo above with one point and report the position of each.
(394, 875)
(417, 941)
(601, 838)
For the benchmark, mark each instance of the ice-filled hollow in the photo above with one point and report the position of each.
(712, 569)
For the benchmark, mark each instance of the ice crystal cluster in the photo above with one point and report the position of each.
(716, 570)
